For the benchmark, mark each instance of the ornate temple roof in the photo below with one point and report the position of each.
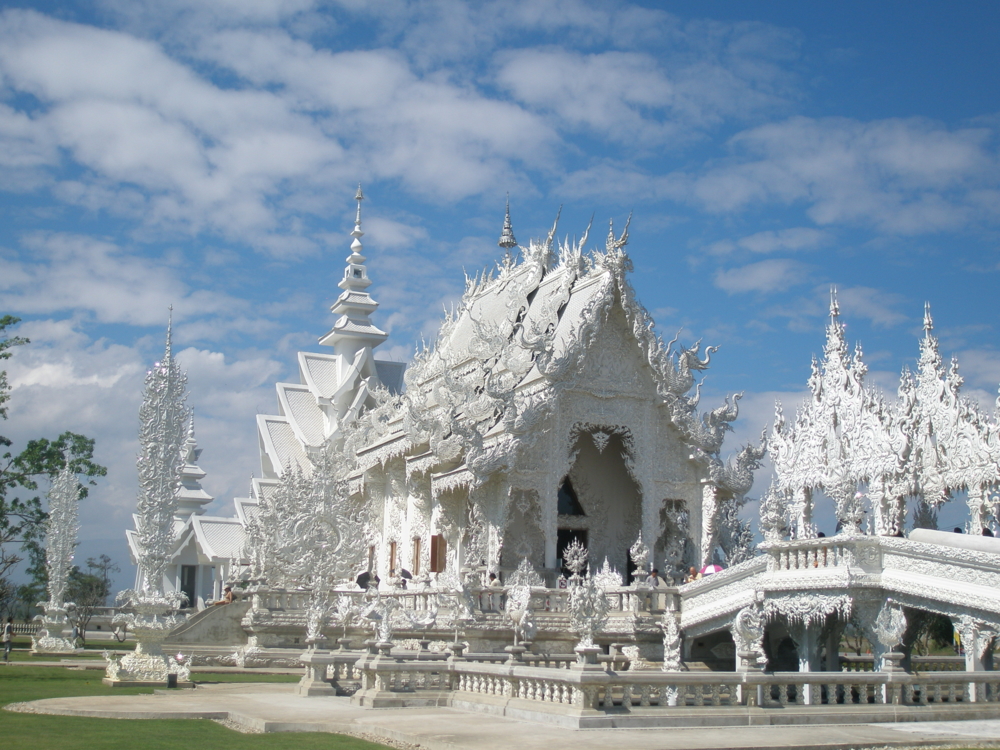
(333, 388)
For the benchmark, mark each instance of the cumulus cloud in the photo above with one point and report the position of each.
(645, 99)
(65, 380)
(193, 155)
(898, 176)
(58, 273)
(792, 239)
(876, 305)
(764, 276)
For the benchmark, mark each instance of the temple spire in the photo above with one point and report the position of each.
(928, 320)
(353, 331)
(836, 344)
(191, 498)
(170, 332)
(507, 240)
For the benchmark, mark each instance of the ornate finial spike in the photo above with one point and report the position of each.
(359, 196)
(928, 321)
(170, 329)
(507, 240)
(834, 307)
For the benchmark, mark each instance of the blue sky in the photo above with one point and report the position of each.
(206, 156)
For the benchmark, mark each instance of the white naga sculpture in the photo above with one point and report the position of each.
(61, 530)
(151, 612)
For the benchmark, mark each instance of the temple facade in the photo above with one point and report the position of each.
(547, 411)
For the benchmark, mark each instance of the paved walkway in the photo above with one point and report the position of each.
(275, 708)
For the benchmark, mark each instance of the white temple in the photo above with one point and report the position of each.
(207, 550)
(549, 432)
(546, 411)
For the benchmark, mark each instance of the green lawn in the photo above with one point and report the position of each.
(20, 682)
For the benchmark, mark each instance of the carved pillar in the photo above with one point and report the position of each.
(709, 522)
(882, 508)
(806, 636)
(833, 636)
(748, 636)
(979, 640)
(549, 499)
(978, 509)
(802, 510)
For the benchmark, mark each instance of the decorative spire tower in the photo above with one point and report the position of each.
(507, 240)
(191, 498)
(353, 331)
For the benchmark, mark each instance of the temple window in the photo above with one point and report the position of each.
(569, 503)
(439, 551)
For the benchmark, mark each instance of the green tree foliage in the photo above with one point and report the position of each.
(89, 590)
(21, 513)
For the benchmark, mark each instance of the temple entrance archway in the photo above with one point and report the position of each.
(599, 498)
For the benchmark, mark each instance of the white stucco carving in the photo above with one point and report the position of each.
(61, 530)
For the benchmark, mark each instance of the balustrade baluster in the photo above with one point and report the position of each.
(644, 692)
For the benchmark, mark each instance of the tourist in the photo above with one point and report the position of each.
(8, 639)
(227, 597)
(693, 575)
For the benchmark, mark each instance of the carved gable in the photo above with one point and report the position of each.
(613, 363)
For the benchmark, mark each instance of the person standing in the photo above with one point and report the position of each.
(8, 639)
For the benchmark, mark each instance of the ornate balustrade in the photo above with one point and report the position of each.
(624, 600)
(919, 664)
(952, 580)
(565, 687)
(812, 554)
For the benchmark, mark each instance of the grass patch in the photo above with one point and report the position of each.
(40, 732)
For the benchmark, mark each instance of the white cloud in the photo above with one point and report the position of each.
(64, 380)
(791, 239)
(710, 73)
(899, 176)
(190, 155)
(63, 272)
(876, 305)
(981, 369)
(764, 276)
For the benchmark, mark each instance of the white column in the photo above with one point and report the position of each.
(709, 521)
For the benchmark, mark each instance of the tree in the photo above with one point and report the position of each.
(103, 566)
(21, 513)
(89, 591)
